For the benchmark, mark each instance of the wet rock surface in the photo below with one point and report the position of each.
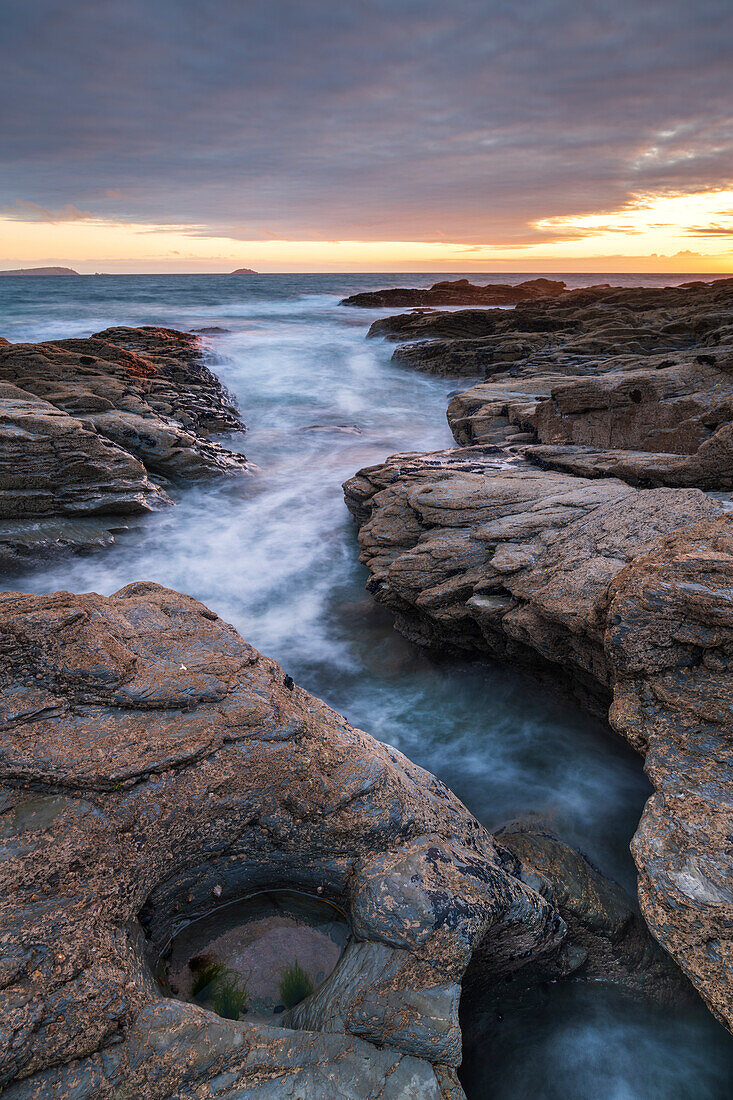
(458, 292)
(101, 427)
(154, 768)
(568, 532)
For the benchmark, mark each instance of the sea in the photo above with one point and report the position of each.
(276, 554)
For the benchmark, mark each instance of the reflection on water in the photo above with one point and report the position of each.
(277, 556)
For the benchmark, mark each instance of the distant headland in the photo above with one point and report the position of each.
(244, 271)
(39, 271)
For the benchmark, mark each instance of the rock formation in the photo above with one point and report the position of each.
(636, 383)
(154, 766)
(602, 564)
(474, 553)
(458, 292)
(94, 429)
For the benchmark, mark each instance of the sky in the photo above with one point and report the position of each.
(367, 135)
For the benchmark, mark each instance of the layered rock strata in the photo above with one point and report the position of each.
(624, 593)
(635, 384)
(154, 766)
(99, 428)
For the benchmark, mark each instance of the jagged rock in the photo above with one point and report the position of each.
(458, 292)
(668, 424)
(608, 933)
(653, 404)
(87, 423)
(710, 467)
(474, 553)
(437, 325)
(566, 335)
(624, 592)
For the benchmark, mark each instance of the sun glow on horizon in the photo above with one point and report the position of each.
(650, 232)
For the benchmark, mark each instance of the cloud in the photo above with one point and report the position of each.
(709, 231)
(32, 212)
(378, 120)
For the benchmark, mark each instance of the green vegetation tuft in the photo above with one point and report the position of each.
(227, 990)
(295, 985)
(206, 970)
(230, 995)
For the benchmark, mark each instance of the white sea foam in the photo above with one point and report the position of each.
(277, 556)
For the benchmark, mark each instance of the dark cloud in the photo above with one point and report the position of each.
(365, 119)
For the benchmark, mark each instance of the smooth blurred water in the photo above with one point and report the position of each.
(277, 556)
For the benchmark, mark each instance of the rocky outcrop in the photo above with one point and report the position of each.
(623, 594)
(458, 292)
(53, 463)
(153, 767)
(97, 427)
(635, 384)
(475, 553)
(609, 939)
(566, 334)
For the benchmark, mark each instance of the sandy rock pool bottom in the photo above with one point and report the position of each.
(256, 957)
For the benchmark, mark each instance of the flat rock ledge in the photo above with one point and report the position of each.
(154, 766)
(626, 595)
(95, 430)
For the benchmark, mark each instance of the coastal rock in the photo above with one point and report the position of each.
(710, 467)
(610, 941)
(669, 638)
(620, 592)
(474, 553)
(565, 334)
(646, 396)
(154, 766)
(436, 325)
(196, 397)
(458, 292)
(52, 463)
(668, 423)
(87, 423)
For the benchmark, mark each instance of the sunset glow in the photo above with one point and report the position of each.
(369, 137)
(692, 232)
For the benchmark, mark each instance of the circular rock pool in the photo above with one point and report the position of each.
(255, 957)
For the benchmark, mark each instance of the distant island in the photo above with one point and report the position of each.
(38, 271)
(244, 271)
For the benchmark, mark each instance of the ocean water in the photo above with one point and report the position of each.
(276, 555)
